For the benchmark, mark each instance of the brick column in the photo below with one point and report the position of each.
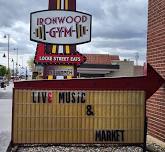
(156, 57)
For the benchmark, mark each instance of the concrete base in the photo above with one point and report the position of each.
(151, 140)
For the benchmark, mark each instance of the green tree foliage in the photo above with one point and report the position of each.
(3, 70)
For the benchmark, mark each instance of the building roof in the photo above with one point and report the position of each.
(100, 58)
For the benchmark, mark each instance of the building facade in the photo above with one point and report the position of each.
(156, 57)
(98, 65)
(104, 65)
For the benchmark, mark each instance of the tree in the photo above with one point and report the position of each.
(3, 70)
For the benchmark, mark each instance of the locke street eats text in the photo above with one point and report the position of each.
(79, 98)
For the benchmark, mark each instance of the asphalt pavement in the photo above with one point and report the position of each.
(7, 92)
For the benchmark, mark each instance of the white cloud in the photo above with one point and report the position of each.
(119, 26)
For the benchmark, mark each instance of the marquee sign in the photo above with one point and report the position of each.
(60, 27)
(103, 110)
(79, 116)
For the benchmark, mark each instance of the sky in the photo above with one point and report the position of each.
(119, 27)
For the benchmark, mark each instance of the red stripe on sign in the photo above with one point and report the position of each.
(72, 5)
(72, 48)
(52, 5)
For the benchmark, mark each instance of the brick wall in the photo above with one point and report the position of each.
(156, 57)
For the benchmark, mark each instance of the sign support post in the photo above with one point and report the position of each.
(64, 5)
(145, 132)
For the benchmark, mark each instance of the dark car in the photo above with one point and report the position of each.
(2, 82)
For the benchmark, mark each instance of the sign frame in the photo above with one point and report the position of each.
(142, 83)
(90, 27)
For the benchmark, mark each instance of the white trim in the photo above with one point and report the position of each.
(62, 4)
(61, 49)
(59, 77)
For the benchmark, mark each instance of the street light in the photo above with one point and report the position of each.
(16, 61)
(13, 68)
(8, 46)
(4, 55)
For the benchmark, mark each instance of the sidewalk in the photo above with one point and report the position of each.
(5, 138)
(6, 108)
(5, 116)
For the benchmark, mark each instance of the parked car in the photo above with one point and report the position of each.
(2, 82)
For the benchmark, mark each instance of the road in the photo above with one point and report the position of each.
(6, 94)
(5, 116)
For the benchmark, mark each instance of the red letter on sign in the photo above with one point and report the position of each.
(49, 97)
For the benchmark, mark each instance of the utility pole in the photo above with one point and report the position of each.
(137, 57)
(13, 68)
(26, 73)
(16, 61)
